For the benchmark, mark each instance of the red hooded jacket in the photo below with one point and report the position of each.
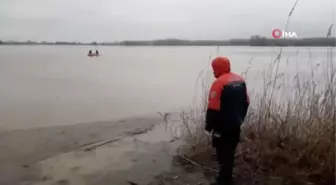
(228, 100)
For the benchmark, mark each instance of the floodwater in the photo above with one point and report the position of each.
(60, 85)
(115, 163)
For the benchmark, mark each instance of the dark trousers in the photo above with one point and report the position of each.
(225, 150)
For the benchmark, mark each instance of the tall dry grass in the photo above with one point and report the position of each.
(288, 136)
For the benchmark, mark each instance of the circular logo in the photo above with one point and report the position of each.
(277, 33)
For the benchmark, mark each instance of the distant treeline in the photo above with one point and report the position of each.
(48, 43)
(253, 41)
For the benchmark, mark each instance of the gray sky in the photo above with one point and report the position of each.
(111, 20)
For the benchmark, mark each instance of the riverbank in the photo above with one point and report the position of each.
(89, 153)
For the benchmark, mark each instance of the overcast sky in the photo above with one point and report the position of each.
(111, 20)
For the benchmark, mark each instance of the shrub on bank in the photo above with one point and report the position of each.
(288, 136)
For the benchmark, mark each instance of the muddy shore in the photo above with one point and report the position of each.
(115, 153)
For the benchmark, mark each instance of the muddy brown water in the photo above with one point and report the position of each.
(60, 85)
(135, 158)
(56, 102)
(89, 153)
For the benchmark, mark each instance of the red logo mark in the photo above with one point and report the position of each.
(277, 33)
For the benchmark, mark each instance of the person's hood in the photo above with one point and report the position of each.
(220, 66)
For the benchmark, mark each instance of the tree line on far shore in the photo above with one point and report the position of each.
(253, 41)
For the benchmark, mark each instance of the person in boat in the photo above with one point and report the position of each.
(97, 53)
(226, 111)
(90, 52)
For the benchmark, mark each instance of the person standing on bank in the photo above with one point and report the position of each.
(227, 107)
